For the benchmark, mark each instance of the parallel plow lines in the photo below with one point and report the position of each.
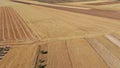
(13, 27)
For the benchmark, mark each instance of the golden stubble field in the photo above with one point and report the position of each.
(73, 40)
(106, 5)
(20, 57)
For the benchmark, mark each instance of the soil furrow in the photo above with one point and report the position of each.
(13, 26)
(21, 29)
(27, 33)
(12, 35)
(1, 24)
(3, 37)
(14, 22)
(7, 25)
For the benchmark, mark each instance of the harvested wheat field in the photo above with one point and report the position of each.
(20, 57)
(103, 5)
(34, 34)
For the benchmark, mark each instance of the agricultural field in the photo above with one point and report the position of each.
(81, 3)
(115, 7)
(106, 5)
(42, 35)
(20, 57)
(10, 29)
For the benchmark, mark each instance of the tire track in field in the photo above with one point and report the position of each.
(1, 24)
(7, 26)
(13, 27)
(21, 30)
(25, 36)
(28, 31)
(31, 34)
(16, 36)
(12, 32)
